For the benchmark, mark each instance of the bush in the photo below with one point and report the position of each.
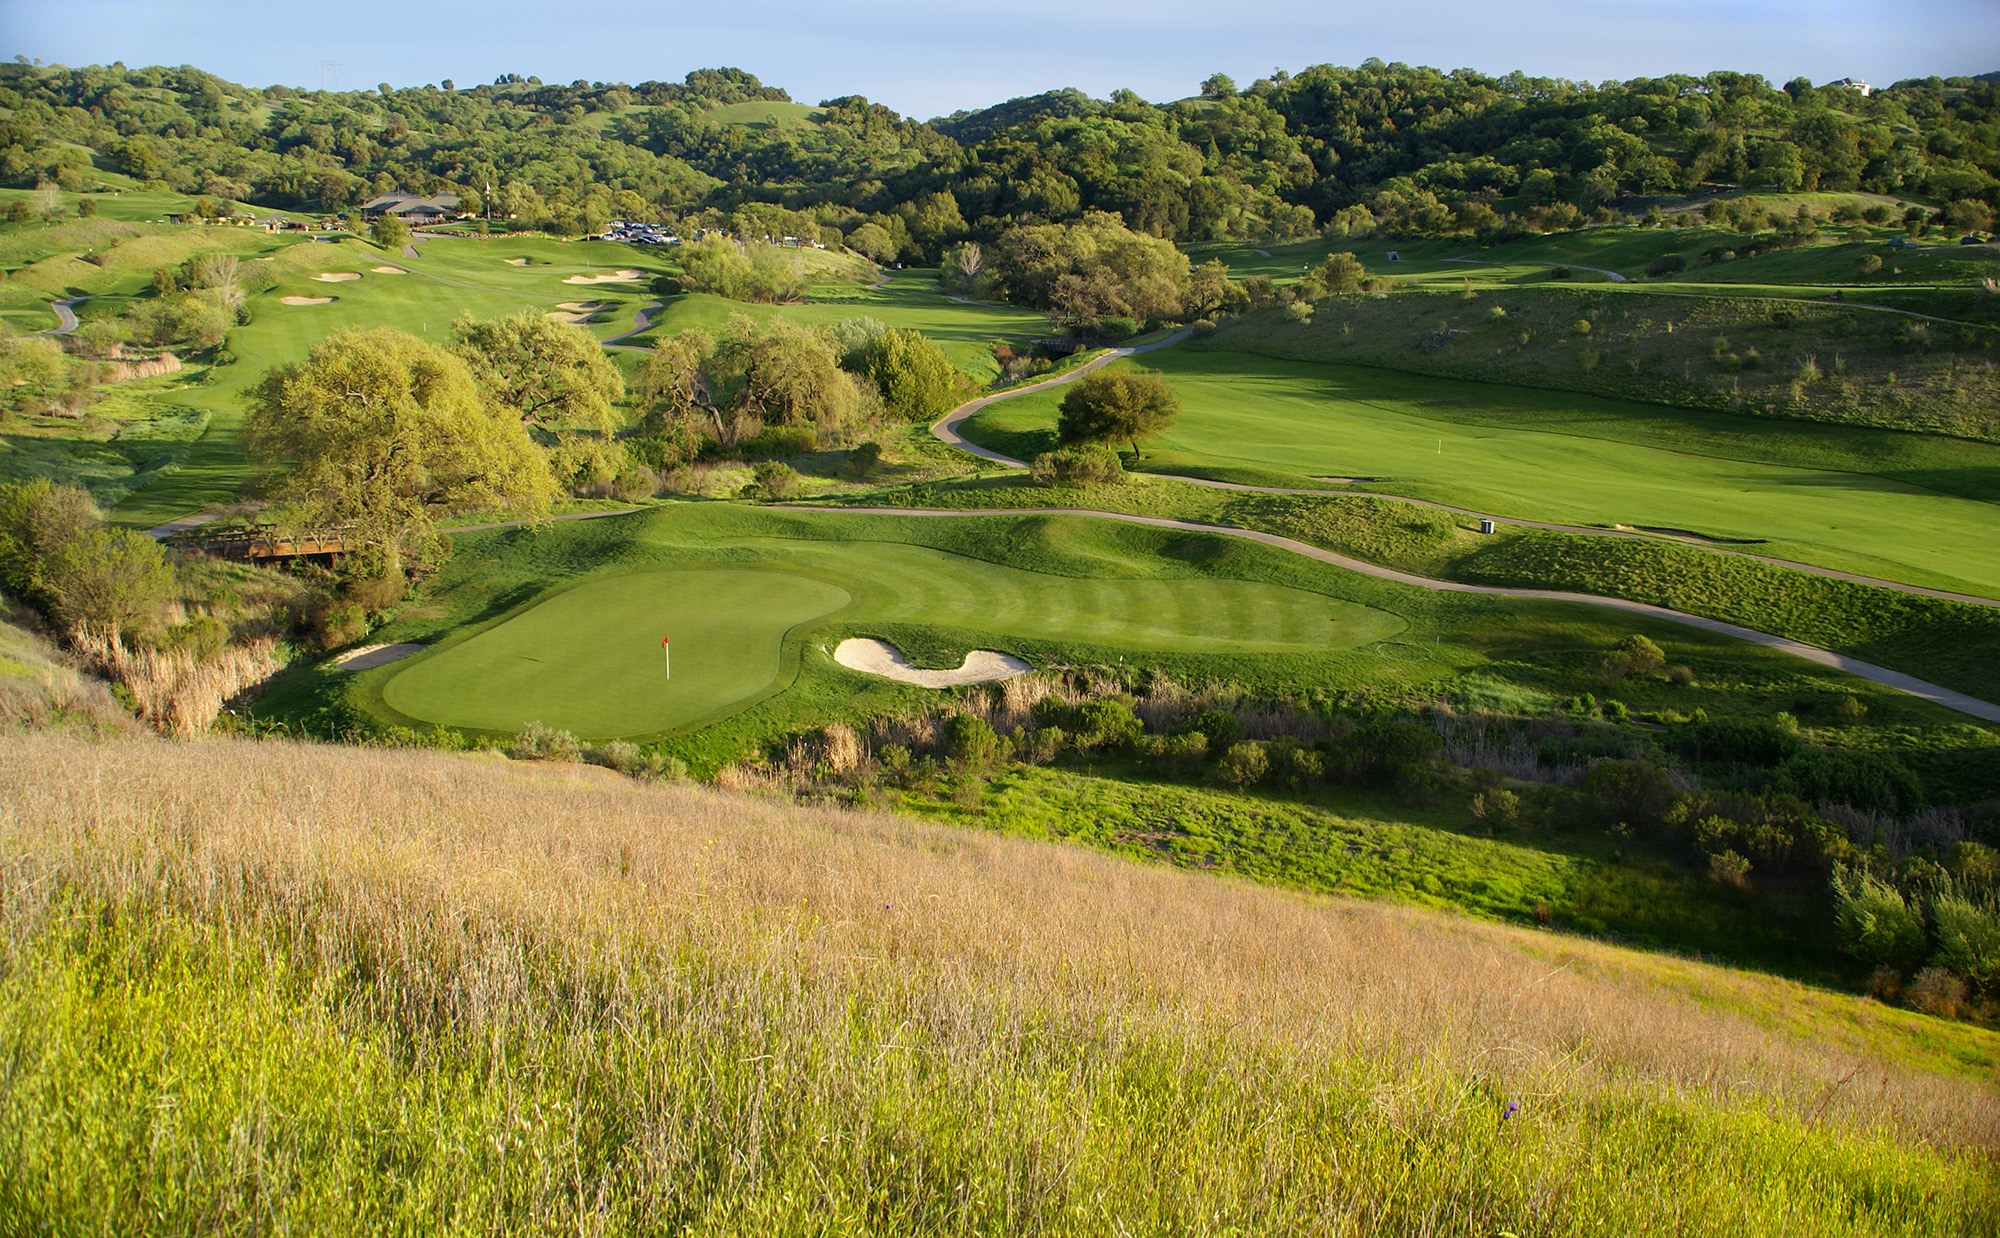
(1632, 792)
(536, 742)
(775, 480)
(1219, 727)
(864, 459)
(1667, 264)
(1968, 939)
(1874, 923)
(1245, 764)
(780, 441)
(1086, 465)
(1559, 272)
(1864, 780)
(1107, 724)
(1300, 312)
(1870, 263)
(1937, 992)
(971, 743)
(1746, 743)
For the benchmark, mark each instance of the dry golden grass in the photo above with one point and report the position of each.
(1329, 1065)
(177, 690)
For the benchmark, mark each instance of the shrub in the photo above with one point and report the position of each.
(1667, 264)
(1634, 792)
(536, 742)
(773, 441)
(775, 480)
(1560, 272)
(1873, 922)
(1085, 465)
(1219, 727)
(1299, 312)
(1747, 743)
(864, 459)
(1107, 724)
(972, 744)
(1245, 764)
(1581, 326)
(1730, 869)
(1937, 992)
(1870, 263)
(1864, 780)
(1968, 937)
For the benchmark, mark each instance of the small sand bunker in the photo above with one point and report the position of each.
(515, 262)
(388, 270)
(582, 307)
(336, 277)
(374, 655)
(864, 653)
(622, 276)
(306, 300)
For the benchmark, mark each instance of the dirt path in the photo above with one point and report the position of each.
(65, 316)
(641, 319)
(1854, 666)
(947, 430)
(946, 427)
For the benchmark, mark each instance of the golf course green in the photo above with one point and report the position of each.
(1842, 497)
(588, 659)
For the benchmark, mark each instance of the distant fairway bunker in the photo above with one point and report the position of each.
(588, 660)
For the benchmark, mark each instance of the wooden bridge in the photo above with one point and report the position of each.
(266, 542)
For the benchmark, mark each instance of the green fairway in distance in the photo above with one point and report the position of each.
(589, 659)
(1845, 497)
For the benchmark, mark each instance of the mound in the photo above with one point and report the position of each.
(877, 657)
(622, 276)
(269, 971)
(336, 277)
(306, 300)
(589, 660)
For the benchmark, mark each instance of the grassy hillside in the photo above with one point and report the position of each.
(487, 996)
(1753, 356)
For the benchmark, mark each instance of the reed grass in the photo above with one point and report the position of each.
(177, 690)
(250, 987)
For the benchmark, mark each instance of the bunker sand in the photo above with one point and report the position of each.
(861, 653)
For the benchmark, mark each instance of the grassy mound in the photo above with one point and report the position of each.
(486, 996)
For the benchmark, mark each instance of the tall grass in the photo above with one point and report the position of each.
(178, 690)
(260, 987)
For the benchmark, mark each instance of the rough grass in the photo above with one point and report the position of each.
(478, 998)
(1875, 367)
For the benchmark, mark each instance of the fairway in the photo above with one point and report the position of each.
(589, 660)
(1837, 496)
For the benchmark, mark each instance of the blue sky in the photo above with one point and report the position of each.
(928, 58)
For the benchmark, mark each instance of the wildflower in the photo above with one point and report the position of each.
(1513, 1107)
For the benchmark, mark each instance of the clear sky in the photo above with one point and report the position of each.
(929, 58)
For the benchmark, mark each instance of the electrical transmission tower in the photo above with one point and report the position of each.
(329, 68)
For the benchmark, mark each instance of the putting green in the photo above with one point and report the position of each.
(589, 659)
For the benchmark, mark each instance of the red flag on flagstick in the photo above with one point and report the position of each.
(663, 642)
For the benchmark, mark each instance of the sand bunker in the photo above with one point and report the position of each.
(862, 653)
(625, 275)
(335, 277)
(374, 655)
(306, 300)
(515, 262)
(582, 307)
(389, 270)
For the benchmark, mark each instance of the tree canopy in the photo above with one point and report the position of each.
(1110, 405)
(552, 374)
(382, 433)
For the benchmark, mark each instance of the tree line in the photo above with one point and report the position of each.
(1376, 147)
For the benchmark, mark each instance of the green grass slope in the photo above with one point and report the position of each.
(480, 998)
